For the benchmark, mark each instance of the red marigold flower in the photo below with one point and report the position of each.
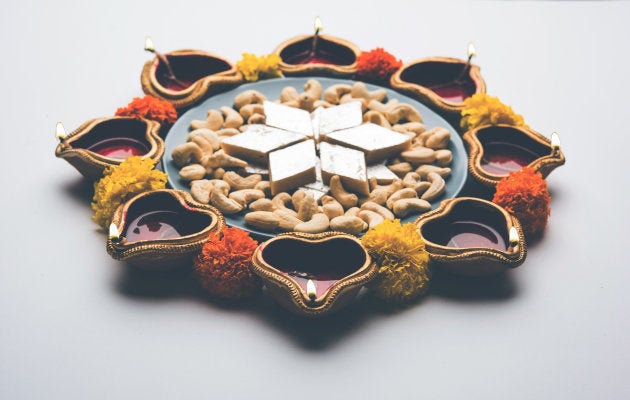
(222, 267)
(525, 194)
(377, 65)
(149, 107)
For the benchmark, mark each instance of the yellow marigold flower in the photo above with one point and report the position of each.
(402, 259)
(255, 67)
(120, 183)
(482, 109)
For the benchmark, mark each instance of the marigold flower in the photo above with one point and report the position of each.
(120, 183)
(149, 107)
(525, 194)
(222, 266)
(377, 65)
(402, 259)
(482, 109)
(255, 67)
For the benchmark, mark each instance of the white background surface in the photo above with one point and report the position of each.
(75, 324)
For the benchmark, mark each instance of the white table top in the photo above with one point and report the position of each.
(76, 324)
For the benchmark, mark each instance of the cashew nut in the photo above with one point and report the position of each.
(186, 152)
(192, 172)
(346, 199)
(443, 157)
(394, 186)
(287, 219)
(404, 207)
(218, 173)
(238, 182)
(348, 224)
(200, 190)
(352, 212)
(419, 155)
(265, 186)
(403, 112)
(319, 223)
(379, 209)
(406, 193)
(414, 181)
(333, 93)
(308, 207)
(220, 159)
(250, 109)
(256, 119)
(246, 196)
(226, 205)
(359, 90)
(331, 207)
(263, 204)
(213, 121)
(313, 88)
(400, 168)
(289, 93)
(371, 218)
(439, 139)
(263, 220)
(438, 186)
(415, 127)
(232, 117)
(377, 118)
(281, 200)
(424, 170)
(248, 97)
(209, 141)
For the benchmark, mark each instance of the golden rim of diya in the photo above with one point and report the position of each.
(194, 92)
(474, 261)
(92, 164)
(400, 81)
(292, 296)
(161, 254)
(550, 155)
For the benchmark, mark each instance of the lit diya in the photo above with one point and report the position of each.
(161, 229)
(313, 274)
(497, 150)
(441, 82)
(318, 55)
(474, 237)
(183, 77)
(103, 142)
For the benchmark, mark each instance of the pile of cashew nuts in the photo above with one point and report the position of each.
(225, 182)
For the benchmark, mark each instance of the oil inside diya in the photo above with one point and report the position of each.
(313, 274)
(184, 77)
(495, 151)
(318, 55)
(161, 229)
(103, 142)
(470, 236)
(441, 82)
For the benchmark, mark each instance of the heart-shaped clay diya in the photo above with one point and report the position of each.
(184, 77)
(318, 55)
(473, 237)
(103, 142)
(441, 82)
(313, 274)
(161, 229)
(496, 150)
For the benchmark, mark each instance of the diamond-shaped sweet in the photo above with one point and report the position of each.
(376, 142)
(255, 144)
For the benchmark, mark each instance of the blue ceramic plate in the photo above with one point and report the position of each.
(271, 88)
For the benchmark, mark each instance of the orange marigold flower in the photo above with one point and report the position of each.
(120, 183)
(377, 65)
(222, 266)
(149, 107)
(482, 109)
(525, 194)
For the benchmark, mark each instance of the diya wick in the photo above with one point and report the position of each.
(318, 27)
(148, 46)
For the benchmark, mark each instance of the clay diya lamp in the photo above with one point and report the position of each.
(441, 82)
(473, 237)
(313, 274)
(184, 77)
(496, 150)
(161, 229)
(318, 55)
(103, 142)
